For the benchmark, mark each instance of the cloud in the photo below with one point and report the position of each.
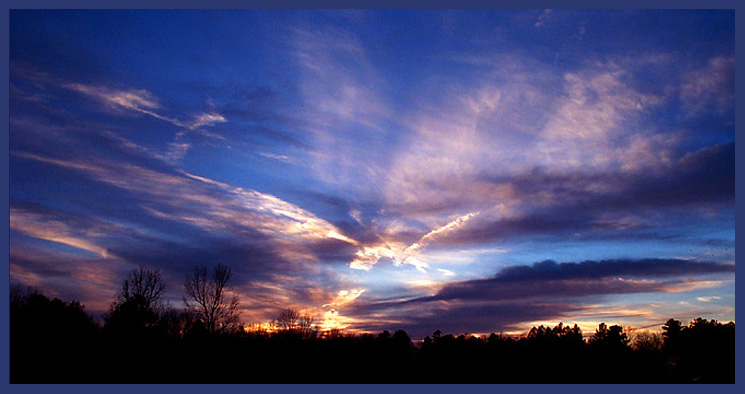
(356, 215)
(584, 129)
(586, 205)
(286, 267)
(516, 115)
(88, 268)
(176, 151)
(56, 228)
(440, 231)
(396, 251)
(215, 207)
(712, 86)
(189, 220)
(481, 147)
(344, 107)
(595, 204)
(332, 318)
(205, 120)
(276, 157)
(341, 83)
(472, 318)
(92, 282)
(544, 291)
(542, 18)
(51, 90)
(141, 101)
(609, 268)
(446, 272)
(567, 280)
(135, 100)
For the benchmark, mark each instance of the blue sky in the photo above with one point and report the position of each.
(469, 171)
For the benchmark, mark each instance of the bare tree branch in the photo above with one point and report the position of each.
(206, 295)
(144, 285)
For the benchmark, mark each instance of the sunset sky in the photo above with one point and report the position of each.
(471, 172)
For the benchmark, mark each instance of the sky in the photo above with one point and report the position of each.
(467, 171)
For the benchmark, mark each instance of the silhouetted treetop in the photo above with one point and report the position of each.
(291, 321)
(52, 341)
(207, 297)
(143, 284)
(609, 338)
(137, 305)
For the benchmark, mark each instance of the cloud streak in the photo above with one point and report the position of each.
(141, 101)
(368, 256)
(544, 291)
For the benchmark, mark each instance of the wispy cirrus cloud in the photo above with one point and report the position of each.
(344, 106)
(135, 100)
(87, 267)
(56, 229)
(141, 101)
(185, 195)
(342, 84)
(123, 101)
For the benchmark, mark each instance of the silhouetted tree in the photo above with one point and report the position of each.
(647, 342)
(174, 323)
(137, 305)
(50, 340)
(207, 296)
(609, 338)
(560, 331)
(291, 321)
(287, 319)
(401, 338)
(306, 326)
(705, 352)
(384, 336)
(671, 335)
(144, 284)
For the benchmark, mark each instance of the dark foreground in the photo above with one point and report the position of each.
(57, 342)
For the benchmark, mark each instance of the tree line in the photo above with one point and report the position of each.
(144, 341)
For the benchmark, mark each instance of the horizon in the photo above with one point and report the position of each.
(467, 171)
